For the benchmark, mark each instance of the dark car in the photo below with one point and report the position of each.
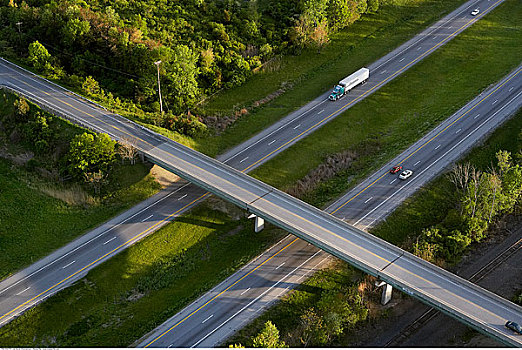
(395, 169)
(515, 327)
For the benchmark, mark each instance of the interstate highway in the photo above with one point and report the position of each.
(236, 301)
(96, 250)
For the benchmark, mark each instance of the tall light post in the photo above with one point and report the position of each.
(19, 24)
(159, 87)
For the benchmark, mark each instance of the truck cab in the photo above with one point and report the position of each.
(337, 93)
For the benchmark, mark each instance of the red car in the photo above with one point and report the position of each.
(395, 169)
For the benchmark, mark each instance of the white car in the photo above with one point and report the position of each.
(475, 12)
(405, 174)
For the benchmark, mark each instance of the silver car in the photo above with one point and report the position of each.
(475, 12)
(405, 174)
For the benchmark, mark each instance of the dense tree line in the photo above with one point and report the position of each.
(107, 48)
(480, 197)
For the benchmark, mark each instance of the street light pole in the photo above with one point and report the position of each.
(159, 87)
(18, 24)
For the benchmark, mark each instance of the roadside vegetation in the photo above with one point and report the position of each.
(58, 181)
(132, 282)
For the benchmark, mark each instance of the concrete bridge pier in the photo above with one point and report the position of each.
(386, 292)
(259, 222)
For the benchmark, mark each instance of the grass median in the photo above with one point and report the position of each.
(365, 41)
(387, 122)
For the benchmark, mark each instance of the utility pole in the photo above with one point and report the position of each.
(19, 24)
(159, 88)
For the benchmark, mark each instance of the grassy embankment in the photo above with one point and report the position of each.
(427, 207)
(98, 312)
(368, 39)
(38, 216)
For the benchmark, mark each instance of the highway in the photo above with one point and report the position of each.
(186, 198)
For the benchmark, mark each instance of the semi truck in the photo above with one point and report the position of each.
(348, 83)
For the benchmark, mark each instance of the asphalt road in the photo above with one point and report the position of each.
(68, 264)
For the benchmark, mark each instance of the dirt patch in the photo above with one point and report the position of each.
(163, 177)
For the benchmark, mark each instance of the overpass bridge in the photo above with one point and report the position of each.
(449, 293)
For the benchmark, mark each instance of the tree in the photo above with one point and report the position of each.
(21, 107)
(39, 57)
(127, 149)
(181, 72)
(88, 154)
(319, 35)
(268, 337)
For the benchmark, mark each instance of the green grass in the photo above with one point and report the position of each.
(382, 125)
(310, 73)
(33, 224)
(430, 205)
(136, 290)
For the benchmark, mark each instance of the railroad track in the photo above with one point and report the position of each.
(476, 277)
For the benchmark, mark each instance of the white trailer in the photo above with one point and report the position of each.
(348, 83)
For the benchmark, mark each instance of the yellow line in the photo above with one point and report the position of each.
(225, 290)
(100, 258)
(430, 140)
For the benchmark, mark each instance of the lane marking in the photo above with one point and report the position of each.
(170, 345)
(242, 160)
(69, 264)
(110, 240)
(277, 268)
(321, 111)
(511, 88)
(369, 199)
(180, 198)
(224, 291)
(271, 142)
(475, 117)
(420, 47)
(494, 102)
(26, 289)
(392, 181)
(437, 147)
(416, 163)
(382, 72)
(208, 318)
(148, 217)
(247, 305)
(298, 125)
(402, 59)
(456, 132)
(246, 290)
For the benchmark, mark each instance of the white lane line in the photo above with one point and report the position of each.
(494, 102)
(110, 240)
(511, 88)
(170, 345)
(69, 264)
(180, 198)
(437, 147)
(402, 59)
(242, 160)
(321, 111)
(271, 142)
(416, 163)
(255, 300)
(392, 181)
(420, 47)
(208, 318)
(475, 117)
(456, 132)
(148, 217)
(384, 71)
(26, 289)
(369, 199)
(246, 290)
(280, 265)
(298, 125)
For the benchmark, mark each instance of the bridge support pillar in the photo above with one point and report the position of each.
(259, 222)
(386, 292)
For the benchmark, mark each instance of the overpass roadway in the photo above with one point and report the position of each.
(471, 304)
(119, 233)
